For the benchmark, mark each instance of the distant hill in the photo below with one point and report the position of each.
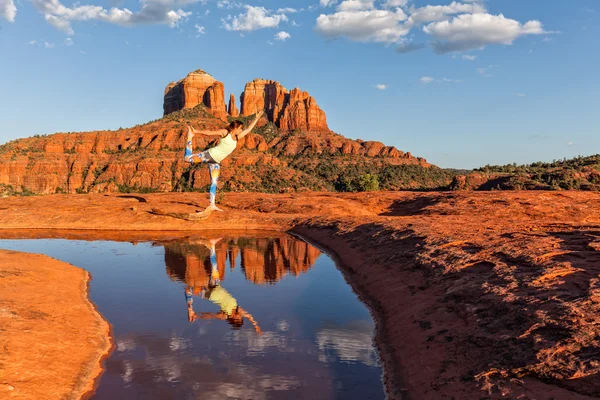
(291, 149)
(580, 173)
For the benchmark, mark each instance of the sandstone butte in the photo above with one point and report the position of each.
(52, 341)
(475, 295)
(149, 156)
(289, 110)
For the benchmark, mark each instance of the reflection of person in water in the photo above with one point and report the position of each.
(213, 292)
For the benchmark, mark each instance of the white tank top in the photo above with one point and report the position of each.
(225, 147)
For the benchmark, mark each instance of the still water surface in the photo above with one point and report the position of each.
(264, 317)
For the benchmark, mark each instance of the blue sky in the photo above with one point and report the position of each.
(462, 84)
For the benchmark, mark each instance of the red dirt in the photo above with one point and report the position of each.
(475, 295)
(52, 340)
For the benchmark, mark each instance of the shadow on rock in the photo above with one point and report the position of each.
(416, 206)
(537, 317)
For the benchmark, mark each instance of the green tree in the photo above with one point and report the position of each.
(368, 183)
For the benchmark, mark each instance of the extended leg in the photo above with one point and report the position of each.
(189, 293)
(188, 156)
(215, 171)
(215, 277)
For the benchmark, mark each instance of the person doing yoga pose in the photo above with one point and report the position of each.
(213, 156)
(230, 311)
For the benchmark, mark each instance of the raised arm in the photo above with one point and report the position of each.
(218, 132)
(251, 126)
(207, 315)
(252, 320)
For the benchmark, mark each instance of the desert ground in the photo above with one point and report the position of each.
(53, 341)
(475, 294)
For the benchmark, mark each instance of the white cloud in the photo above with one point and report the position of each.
(394, 3)
(228, 4)
(521, 95)
(570, 144)
(484, 72)
(381, 26)
(254, 18)
(468, 57)
(282, 36)
(439, 13)
(455, 27)
(68, 42)
(428, 79)
(32, 42)
(199, 30)
(356, 5)
(448, 80)
(287, 10)
(475, 31)
(327, 3)
(151, 12)
(48, 45)
(8, 10)
(380, 86)
(409, 47)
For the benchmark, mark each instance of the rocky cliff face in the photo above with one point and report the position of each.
(288, 110)
(196, 88)
(293, 151)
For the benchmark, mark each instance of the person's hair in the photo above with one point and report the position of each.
(236, 323)
(234, 125)
(236, 320)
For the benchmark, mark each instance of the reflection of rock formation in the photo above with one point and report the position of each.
(269, 260)
(263, 260)
(190, 263)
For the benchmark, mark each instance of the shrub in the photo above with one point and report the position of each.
(368, 183)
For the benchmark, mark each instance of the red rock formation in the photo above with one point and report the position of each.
(303, 113)
(295, 110)
(264, 95)
(215, 100)
(232, 109)
(197, 87)
(149, 157)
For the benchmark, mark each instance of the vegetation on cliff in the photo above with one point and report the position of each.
(579, 173)
(148, 158)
